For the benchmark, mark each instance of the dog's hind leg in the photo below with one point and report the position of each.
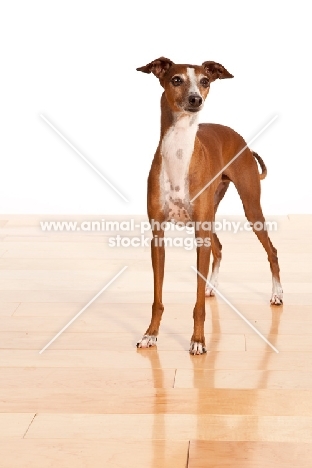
(216, 244)
(216, 248)
(248, 187)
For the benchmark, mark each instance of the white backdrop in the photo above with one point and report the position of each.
(75, 62)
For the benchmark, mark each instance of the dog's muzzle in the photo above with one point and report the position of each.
(194, 102)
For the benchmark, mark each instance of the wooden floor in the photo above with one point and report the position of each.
(93, 400)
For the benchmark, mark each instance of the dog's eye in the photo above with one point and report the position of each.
(176, 81)
(204, 82)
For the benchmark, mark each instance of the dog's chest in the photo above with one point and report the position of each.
(176, 149)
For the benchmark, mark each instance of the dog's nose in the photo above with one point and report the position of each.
(195, 100)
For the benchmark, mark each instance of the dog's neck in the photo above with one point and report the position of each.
(178, 133)
(170, 118)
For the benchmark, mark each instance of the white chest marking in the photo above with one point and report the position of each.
(177, 148)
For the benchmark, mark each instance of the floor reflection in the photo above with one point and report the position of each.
(235, 416)
(159, 423)
(229, 424)
(267, 354)
(204, 366)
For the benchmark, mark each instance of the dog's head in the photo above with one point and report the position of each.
(186, 86)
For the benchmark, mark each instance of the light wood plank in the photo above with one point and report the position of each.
(244, 379)
(56, 379)
(94, 400)
(203, 454)
(81, 453)
(171, 426)
(61, 280)
(106, 321)
(130, 281)
(284, 342)
(238, 299)
(121, 358)
(56, 264)
(300, 220)
(108, 341)
(15, 424)
(229, 273)
(216, 310)
(7, 309)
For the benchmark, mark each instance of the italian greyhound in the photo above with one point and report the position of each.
(190, 173)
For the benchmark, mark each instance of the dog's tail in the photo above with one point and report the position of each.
(261, 164)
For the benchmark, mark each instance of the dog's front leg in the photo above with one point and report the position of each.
(158, 262)
(203, 257)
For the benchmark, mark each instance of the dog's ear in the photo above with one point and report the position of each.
(159, 67)
(216, 70)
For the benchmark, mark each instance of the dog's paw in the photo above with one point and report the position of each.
(277, 299)
(211, 285)
(209, 292)
(147, 341)
(277, 293)
(197, 348)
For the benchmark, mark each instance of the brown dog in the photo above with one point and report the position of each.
(190, 174)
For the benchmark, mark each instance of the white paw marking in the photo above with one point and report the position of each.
(210, 291)
(277, 299)
(147, 341)
(197, 348)
(212, 283)
(277, 293)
